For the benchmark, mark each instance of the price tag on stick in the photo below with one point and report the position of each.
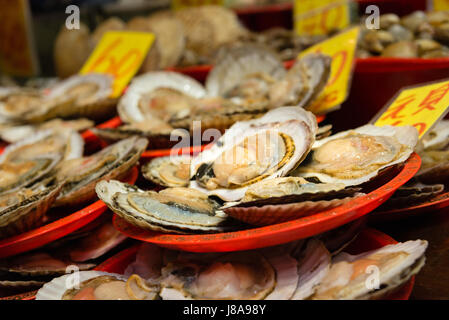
(120, 54)
(419, 106)
(342, 49)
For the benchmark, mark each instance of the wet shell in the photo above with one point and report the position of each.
(357, 156)
(81, 175)
(285, 136)
(172, 171)
(348, 275)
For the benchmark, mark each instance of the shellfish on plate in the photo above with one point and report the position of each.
(81, 175)
(250, 151)
(298, 270)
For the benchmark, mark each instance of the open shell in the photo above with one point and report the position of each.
(172, 171)
(82, 96)
(357, 156)
(349, 276)
(128, 106)
(291, 128)
(175, 210)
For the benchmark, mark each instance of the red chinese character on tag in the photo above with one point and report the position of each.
(421, 127)
(393, 112)
(432, 99)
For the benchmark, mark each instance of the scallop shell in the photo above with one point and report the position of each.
(313, 265)
(294, 122)
(28, 213)
(81, 188)
(128, 105)
(438, 136)
(96, 105)
(405, 140)
(153, 171)
(147, 210)
(395, 264)
(239, 63)
(55, 289)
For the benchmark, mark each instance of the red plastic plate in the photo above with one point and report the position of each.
(279, 233)
(89, 136)
(368, 239)
(38, 237)
(436, 203)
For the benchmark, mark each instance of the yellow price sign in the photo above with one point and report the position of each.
(419, 106)
(120, 54)
(316, 17)
(440, 5)
(342, 49)
(179, 4)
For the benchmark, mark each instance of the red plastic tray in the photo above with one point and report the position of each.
(436, 203)
(279, 233)
(368, 239)
(38, 237)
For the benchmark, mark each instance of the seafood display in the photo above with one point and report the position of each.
(301, 270)
(228, 188)
(245, 84)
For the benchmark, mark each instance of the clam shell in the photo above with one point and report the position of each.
(55, 289)
(84, 189)
(438, 137)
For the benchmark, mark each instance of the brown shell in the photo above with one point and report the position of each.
(28, 214)
(111, 24)
(87, 192)
(273, 214)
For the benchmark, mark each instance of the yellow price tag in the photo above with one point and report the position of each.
(316, 17)
(440, 5)
(179, 4)
(342, 49)
(119, 54)
(420, 107)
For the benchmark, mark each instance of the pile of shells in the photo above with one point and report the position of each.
(417, 35)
